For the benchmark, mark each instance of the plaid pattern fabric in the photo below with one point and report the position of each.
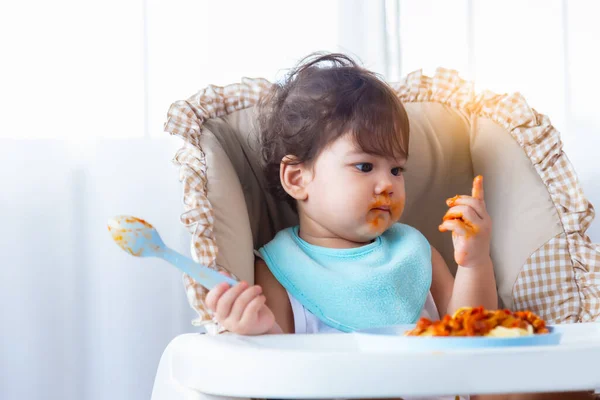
(552, 280)
(185, 119)
(560, 281)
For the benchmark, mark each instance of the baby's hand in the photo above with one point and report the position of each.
(471, 226)
(241, 309)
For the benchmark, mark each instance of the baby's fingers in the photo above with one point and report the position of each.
(250, 314)
(242, 302)
(477, 205)
(455, 226)
(213, 296)
(467, 214)
(227, 299)
(478, 187)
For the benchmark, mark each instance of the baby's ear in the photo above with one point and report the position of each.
(294, 177)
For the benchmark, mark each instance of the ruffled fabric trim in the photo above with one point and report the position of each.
(185, 119)
(561, 280)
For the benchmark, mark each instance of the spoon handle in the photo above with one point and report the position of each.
(205, 276)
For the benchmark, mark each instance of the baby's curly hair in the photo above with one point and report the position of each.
(323, 98)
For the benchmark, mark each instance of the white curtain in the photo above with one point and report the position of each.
(540, 48)
(82, 319)
(84, 91)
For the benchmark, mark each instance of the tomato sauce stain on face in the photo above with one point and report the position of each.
(381, 206)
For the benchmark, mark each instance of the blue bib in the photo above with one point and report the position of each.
(383, 283)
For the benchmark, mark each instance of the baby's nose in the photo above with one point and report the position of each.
(384, 186)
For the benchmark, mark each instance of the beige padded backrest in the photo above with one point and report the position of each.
(523, 214)
(543, 260)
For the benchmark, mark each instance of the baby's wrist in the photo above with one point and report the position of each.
(478, 263)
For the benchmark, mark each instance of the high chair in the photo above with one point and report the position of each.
(543, 260)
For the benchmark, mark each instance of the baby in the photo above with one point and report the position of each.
(334, 141)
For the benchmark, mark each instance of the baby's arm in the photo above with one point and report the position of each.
(277, 298)
(472, 286)
(471, 226)
(442, 282)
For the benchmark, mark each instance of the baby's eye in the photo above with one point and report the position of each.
(365, 167)
(397, 171)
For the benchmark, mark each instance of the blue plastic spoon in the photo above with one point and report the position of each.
(140, 239)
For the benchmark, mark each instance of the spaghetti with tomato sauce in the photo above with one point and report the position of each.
(477, 321)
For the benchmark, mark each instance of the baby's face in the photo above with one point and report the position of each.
(355, 195)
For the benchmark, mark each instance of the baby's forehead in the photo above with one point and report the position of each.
(353, 150)
(347, 146)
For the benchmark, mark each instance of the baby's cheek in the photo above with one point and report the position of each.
(397, 209)
(344, 209)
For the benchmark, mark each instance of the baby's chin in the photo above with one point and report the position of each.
(369, 232)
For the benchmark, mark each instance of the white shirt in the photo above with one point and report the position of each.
(307, 322)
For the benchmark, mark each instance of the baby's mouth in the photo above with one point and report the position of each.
(382, 208)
